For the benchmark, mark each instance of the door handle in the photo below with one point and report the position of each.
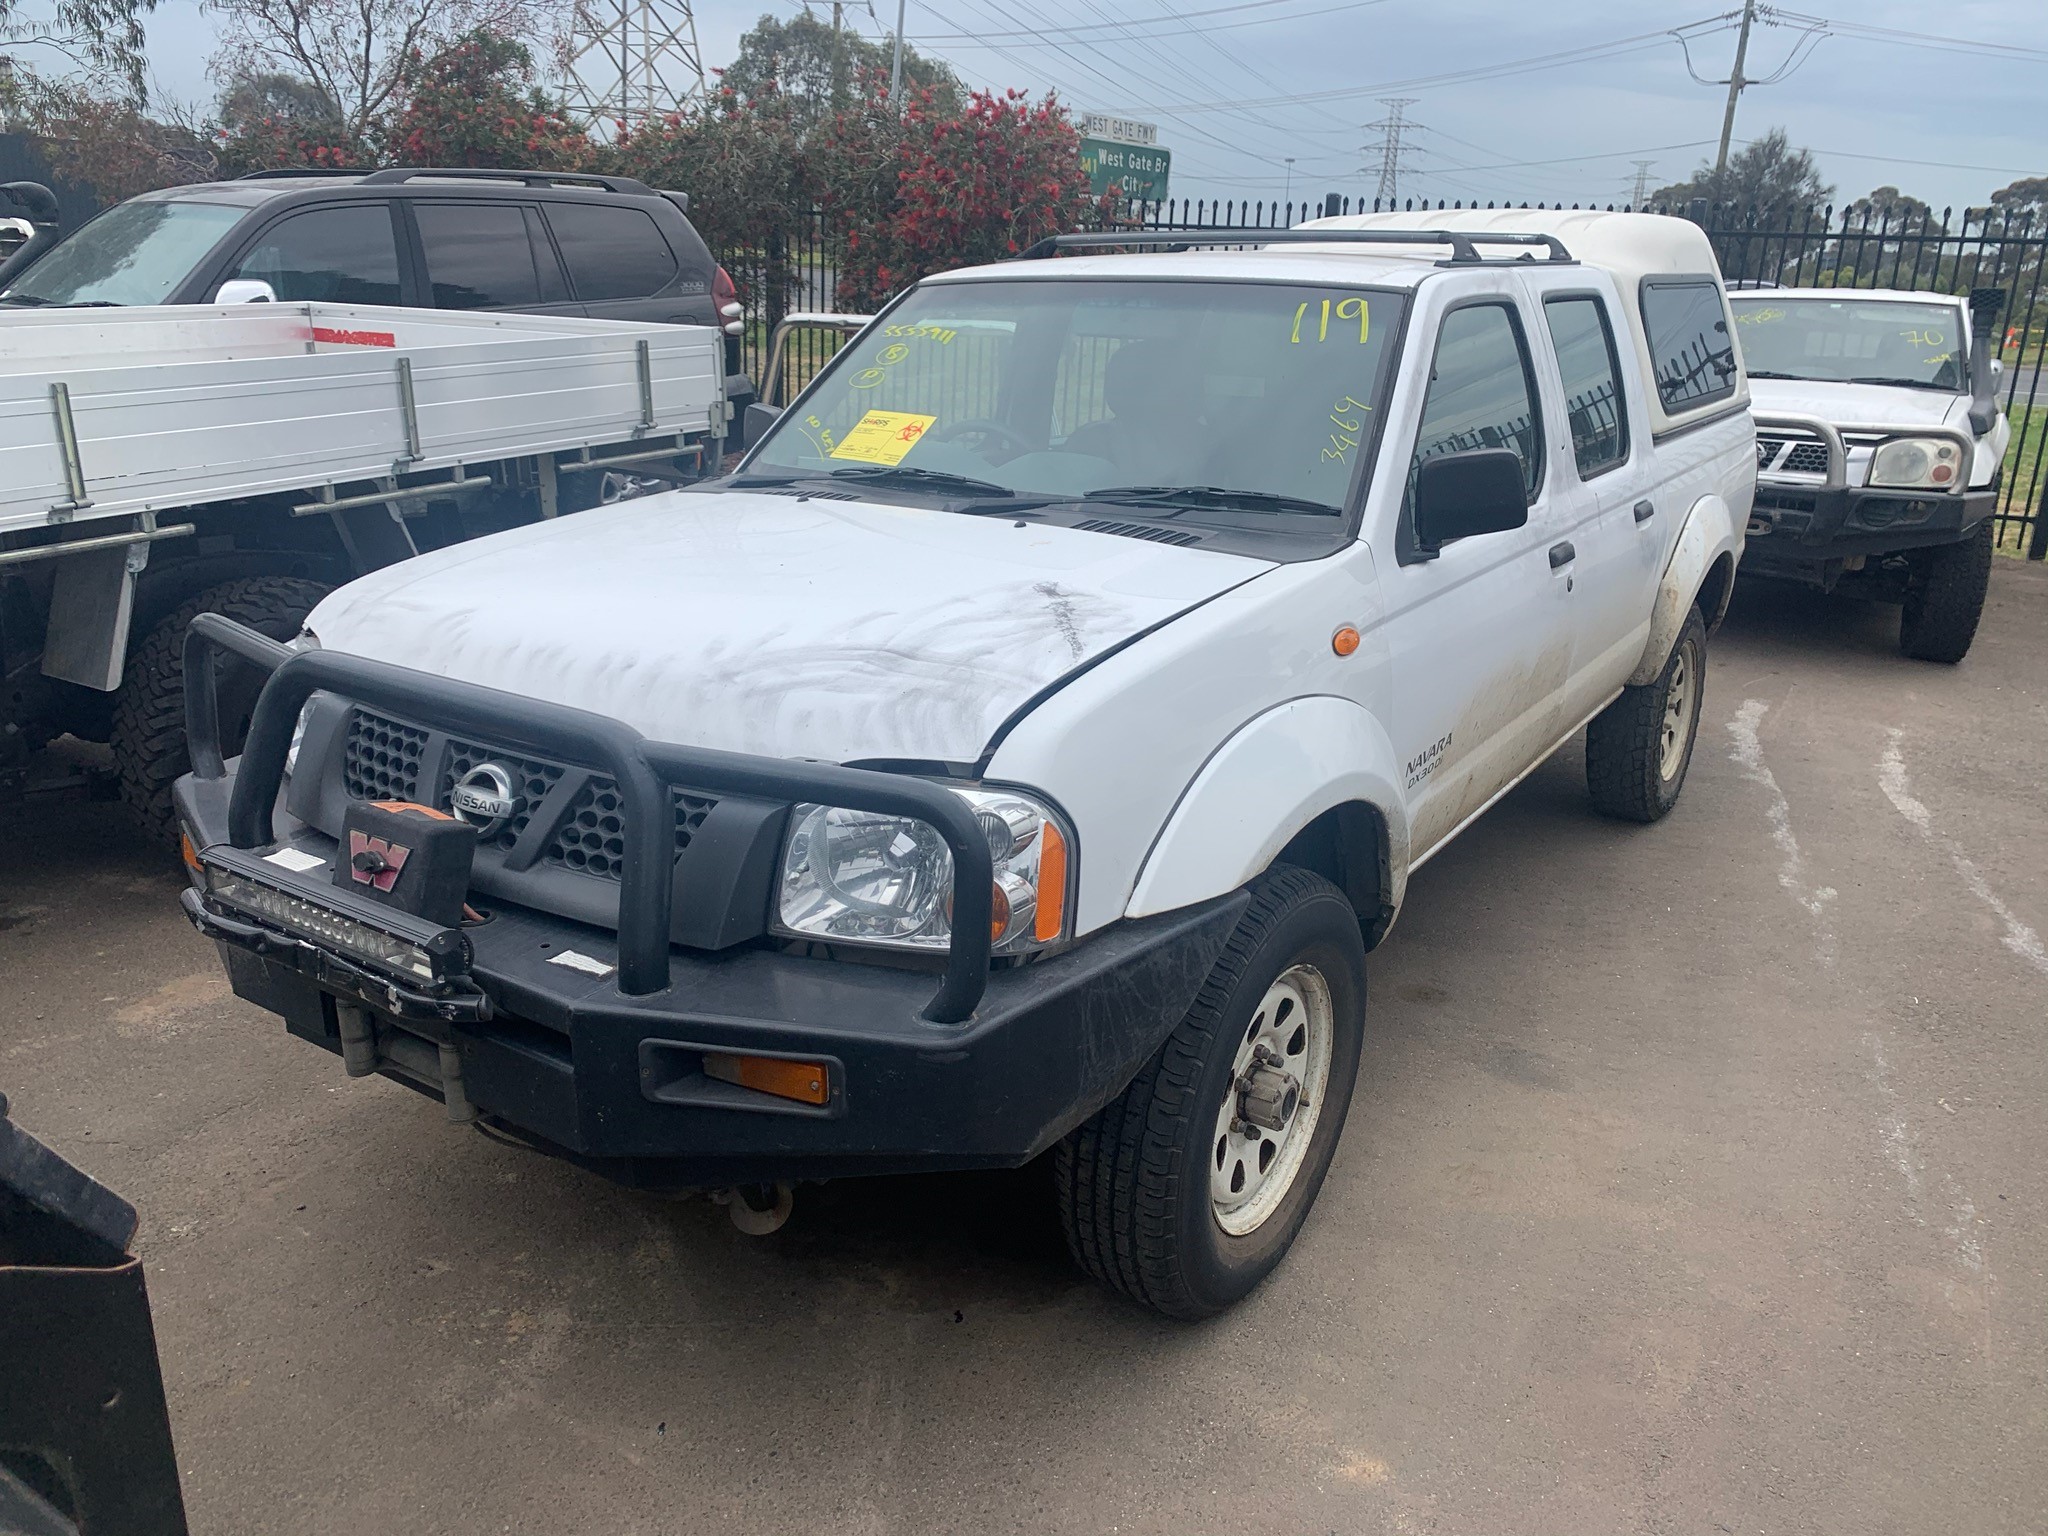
(1645, 510)
(1562, 554)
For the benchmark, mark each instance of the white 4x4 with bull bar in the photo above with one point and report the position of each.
(1020, 753)
(1879, 449)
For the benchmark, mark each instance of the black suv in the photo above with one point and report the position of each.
(531, 242)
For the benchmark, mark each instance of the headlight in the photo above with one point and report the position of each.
(306, 641)
(1917, 461)
(860, 877)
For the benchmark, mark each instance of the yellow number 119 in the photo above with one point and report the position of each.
(1346, 309)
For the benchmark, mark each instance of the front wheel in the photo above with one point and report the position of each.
(1946, 599)
(1187, 1189)
(1639, 747)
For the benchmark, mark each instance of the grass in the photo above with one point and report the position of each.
(2026, 465)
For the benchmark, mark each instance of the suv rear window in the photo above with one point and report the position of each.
(613, 253)
(1690, 348)
(479, 256)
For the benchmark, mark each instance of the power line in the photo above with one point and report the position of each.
(1072, 33)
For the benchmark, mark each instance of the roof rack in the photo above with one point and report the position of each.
(399, 173)
(1463, 243)
(281, 172)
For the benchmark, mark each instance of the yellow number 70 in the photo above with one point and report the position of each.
(1346, 309)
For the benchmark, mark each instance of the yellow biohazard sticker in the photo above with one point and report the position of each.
(882, 437)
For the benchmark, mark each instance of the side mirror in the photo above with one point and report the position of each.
(245, 290)
(759, 418)
(1460, 494)
(1997, 369)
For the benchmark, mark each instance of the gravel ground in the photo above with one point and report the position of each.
(1695, 1182)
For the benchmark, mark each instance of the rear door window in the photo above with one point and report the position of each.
(341, 255)
(612, 253)
(1591, 374)
(1690, 347)
(480, 256)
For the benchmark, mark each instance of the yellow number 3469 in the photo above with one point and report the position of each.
(1345, 309)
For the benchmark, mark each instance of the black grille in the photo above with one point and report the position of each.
(531, 782)
(381, 758)
(382, 762)
(1767, 450)
(1807, 459)
(1140, 531)
(592, 838)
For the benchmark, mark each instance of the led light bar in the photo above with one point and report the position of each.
(409, 959)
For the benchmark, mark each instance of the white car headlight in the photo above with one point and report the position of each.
(859, 877)
(306, 641)
(1915, 462)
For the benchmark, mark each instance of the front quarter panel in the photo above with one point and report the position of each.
(1710, 531)
(1118, 746)
(1266, 783)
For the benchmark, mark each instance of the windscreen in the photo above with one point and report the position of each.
(132, 254)
(1852, 341)
(1061, 389)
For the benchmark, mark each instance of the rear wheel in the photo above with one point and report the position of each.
(149, 713)
(1946, 599)
(1187, 1189)
(1639, 747)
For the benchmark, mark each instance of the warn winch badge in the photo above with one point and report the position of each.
(374, 862)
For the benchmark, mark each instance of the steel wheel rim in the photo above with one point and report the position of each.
(1677, 714)
(1252, 1167)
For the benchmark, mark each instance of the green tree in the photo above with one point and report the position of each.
(1766, 173)
(103, 138)
(1890, 207)
(2023, 199)
(102, 37)
(814, 67)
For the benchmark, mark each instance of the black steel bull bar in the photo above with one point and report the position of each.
(644, 771)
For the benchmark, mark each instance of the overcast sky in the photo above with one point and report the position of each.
(1933, 113)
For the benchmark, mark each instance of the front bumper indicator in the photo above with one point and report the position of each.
(867, 878)
(429, 958)
(1913, 463)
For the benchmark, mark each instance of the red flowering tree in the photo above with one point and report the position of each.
(938, 188)
(475, 103)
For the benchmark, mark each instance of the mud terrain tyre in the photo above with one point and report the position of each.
(1946, 599)
(1639, 747)
(149, 711)
(1167, 1194)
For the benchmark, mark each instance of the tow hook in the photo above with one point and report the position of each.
(1267, 1095)
(757, 1209)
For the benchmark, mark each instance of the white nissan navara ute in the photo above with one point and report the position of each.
(1878, 451)
(1021, 751)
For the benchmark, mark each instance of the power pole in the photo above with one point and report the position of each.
(1642, 189)
(896, 65)
(630, 60)
(1735, 85)
(1390, 128)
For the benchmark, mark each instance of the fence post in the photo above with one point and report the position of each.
(2037, 540)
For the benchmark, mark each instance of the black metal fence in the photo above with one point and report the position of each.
(1962, 252)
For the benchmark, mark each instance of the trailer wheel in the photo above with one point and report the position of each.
(1190, 1186)
(1946, 599)
(149, 712)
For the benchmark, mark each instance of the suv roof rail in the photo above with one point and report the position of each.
(277, 172)
(1463, 243)
(399, 173)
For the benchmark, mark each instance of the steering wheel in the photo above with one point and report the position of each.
(986, 428)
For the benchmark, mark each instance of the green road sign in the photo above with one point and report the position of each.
(1138, 172)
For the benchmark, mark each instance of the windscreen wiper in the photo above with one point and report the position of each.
(1763, 373)
(923, 479)
(1906, 384)
(25, 300)
(1223, 497)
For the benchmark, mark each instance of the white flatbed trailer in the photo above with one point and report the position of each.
(149, 455)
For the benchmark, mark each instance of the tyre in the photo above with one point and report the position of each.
(1639, 747)
(149, 711)
(1946, 599)
(1187, 1189)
